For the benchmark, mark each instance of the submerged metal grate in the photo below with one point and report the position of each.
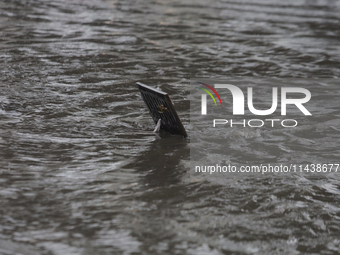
(161, 107)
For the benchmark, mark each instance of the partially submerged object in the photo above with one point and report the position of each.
(161, 110)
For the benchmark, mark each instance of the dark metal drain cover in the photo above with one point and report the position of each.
(161, 107)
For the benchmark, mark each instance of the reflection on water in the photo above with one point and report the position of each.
(81, 170)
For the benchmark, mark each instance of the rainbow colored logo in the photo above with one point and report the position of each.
(207, 91)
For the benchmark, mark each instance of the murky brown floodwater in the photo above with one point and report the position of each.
(81, 170)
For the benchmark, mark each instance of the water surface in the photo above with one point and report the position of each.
(81, 170)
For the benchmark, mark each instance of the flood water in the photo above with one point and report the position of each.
(81, 171)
